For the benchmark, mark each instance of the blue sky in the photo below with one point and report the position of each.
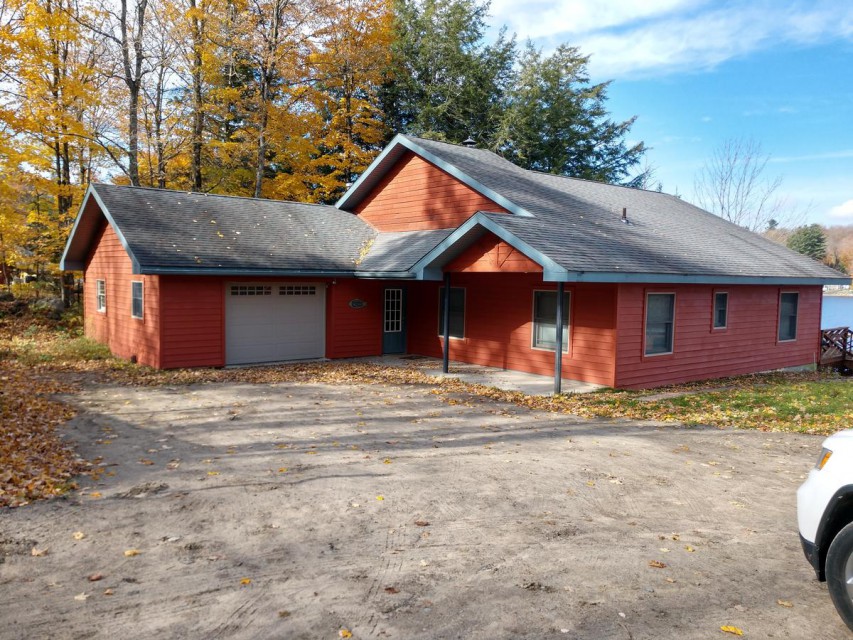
(698, 72)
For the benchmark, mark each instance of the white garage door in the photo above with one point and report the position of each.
(270, 322)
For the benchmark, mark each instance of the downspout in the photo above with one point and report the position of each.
(558, 352)
(445, 367)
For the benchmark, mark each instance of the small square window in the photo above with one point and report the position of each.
(101, 295)
(721, 310)
(788, 308)
(545, 320)
(136, 305)
(457, 312)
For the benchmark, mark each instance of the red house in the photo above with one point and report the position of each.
(447, 250)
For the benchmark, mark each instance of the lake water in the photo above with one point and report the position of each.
(837, 312)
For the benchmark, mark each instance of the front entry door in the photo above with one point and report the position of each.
(394, 322)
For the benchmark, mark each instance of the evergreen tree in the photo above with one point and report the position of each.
(557, 122)
(444, 81)
(809, 240)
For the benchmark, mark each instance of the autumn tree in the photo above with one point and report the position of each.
(348, 69)
(50, 111)
(121, 27)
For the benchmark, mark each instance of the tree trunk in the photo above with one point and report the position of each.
(262, 144)
(198, 26)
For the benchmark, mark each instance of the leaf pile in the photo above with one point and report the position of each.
(34, 462)
(36, 360)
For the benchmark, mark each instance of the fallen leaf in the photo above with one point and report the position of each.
(95, 494)
(656, 564)
(246, 581)
(380, 497)
(670, 580)
(95, 577)
(284, 613)
(108, 592)
(732, 630)
(663, 550)
(391, 590)
(146, 461)
(79, 535)
(421, 523)
(689, 549)
(81, 596)
(386, 461)
(282, 470)
(785, 603)
(345, 633)
(38, 553)
(129, 553)
(213, 473)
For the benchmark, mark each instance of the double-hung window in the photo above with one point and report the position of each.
(545, 320)
(136, 305)
(101, 295)
(721, 310)
(457, 312)
(788, 306)
(660, 320)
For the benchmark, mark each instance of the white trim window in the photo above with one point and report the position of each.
(101, 296)
(789, 302)
(660, 322)
(545, 320)
(136, 299)
(721, 310)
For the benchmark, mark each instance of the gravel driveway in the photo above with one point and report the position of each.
(313, 511)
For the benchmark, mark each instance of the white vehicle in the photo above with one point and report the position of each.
(825, 515)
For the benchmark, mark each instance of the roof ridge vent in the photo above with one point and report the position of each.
(469, 142)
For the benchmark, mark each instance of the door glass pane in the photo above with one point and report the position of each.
(393, 310)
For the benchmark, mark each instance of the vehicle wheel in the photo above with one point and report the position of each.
(839, 573)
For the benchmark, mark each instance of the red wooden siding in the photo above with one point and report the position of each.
(490, 254)
(193, 311)
(126, 336)
(499, 325)
(748, 344)
(354, 332)
(417, 195)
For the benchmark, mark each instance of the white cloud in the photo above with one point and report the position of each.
(844, 210)
(812, 157)
(629, 38)
(547, 18)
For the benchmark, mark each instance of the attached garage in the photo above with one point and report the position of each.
(272, 322)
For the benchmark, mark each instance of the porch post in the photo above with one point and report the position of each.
(558, 352)
(445, 367)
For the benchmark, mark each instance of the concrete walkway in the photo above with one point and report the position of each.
(528, 383)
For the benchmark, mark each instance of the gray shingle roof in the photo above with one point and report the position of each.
(398, 251)
(577, 223)
(175, 231)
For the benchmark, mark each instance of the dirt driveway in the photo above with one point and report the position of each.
(311, 511)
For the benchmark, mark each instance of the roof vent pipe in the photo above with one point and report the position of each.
(625, 215)
(469, 142)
